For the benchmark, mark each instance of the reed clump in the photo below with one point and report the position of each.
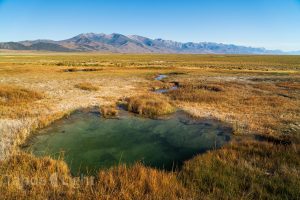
(150, 105)
(109, 111)
(87, 86)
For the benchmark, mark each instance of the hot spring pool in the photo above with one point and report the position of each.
(90, 142)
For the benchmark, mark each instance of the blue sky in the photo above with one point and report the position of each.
(274, 24)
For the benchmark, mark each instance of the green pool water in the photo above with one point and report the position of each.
(90, 142)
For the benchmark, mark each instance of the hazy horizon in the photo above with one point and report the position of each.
(258, 23)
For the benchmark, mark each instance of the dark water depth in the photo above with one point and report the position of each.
(90, 142)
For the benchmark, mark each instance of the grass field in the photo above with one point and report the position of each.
(258, 95)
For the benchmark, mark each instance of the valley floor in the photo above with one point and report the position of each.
(258, 95)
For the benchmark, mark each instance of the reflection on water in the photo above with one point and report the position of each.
(160, 77)
(161, 91)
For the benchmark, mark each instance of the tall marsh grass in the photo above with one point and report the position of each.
(10, 95)
(24, 176)
(150, 105)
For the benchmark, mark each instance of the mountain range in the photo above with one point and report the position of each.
(118, 43)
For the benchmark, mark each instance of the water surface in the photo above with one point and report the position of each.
(160, 77)
(162, 91)
(90, 142)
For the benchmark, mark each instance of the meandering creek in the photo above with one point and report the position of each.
(90, 142)
(160, 77)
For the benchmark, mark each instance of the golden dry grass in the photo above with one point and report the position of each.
(108, 111)
(150, 105)
(16, 101)
(87, 86)
(139, 182)
(26, 177)
(289, 85)
(247, 170)
(10, 95)
(262, 108)
(258, 95)
(197, 92)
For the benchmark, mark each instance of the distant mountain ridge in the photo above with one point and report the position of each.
(118, 43)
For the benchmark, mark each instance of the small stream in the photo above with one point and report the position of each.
(160, 77)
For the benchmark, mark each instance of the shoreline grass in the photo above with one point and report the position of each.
(258, 94)
(109, 111)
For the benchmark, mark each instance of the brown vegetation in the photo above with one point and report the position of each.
(87, 86)
(290, 85)
(260, 108)
(258, 95)
(150, 105)
(108, 111)
(26, 177)
(16, 102)
(194, 92)
(10, 95)
(248, 170)
(156, 85)
(82, 69)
